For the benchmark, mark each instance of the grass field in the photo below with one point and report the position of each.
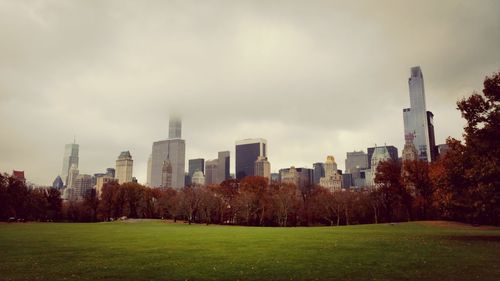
(155, 250)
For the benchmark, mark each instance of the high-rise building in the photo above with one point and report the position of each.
(247, 152)
(332, 179)
(173, 149)
(166, 174)
(174, 127)
(124, 165)
(355, 163)
(193, 166)
(101, 181)
(319, 171)
(275, 177)
(223, 166)
(70, 157)
(211, 167)
(347, 181)
(58, 183)
(111, 172)
(82, 185)
(392, 150)
(73, 173)
(356, 160)
(300, 177)
(417, 120)
(263, 168)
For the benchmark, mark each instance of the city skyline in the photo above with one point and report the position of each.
(301, 80)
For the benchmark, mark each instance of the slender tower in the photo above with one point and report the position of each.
(417, 120)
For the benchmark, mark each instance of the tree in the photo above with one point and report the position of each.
(286, 200)
(107, 208)
(393, 196)
(54, 204)
(481, 156)
(190, 202)
(418, 183)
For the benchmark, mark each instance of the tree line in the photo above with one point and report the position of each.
(462, 185)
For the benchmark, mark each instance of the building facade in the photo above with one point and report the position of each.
(124, 167)
(223, 166)
(247, 152)
(417, 120)
(101, 181)
(83, 186)
(70, 158)
(263, 168)
(332, 179)
(73, 173)
(319, 172)
(211, 168)
(355, 161)
(303, 178)
(173, 149)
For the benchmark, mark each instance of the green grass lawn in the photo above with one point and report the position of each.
(155, 250)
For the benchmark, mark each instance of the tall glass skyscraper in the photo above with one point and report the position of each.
(418, 122)
(247, 152)
(70, 158)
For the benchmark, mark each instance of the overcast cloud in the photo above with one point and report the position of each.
(314, 78)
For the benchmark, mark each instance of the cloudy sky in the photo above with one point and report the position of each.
(314, 78)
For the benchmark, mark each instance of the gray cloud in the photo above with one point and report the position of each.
(313, 77)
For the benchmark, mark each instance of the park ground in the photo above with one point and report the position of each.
(158, 250)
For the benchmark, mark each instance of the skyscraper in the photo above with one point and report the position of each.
(301, 177)
(417, 120)
(223, 166)
(166, 174)
(124, 165)
(355, 161)
(263, 167)
(247, 151)
(174, 127)
(211, 167)
(173, 149)
(332, 179)
(70, 157)
(82, 185)
(319, 171)
(72, 174)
